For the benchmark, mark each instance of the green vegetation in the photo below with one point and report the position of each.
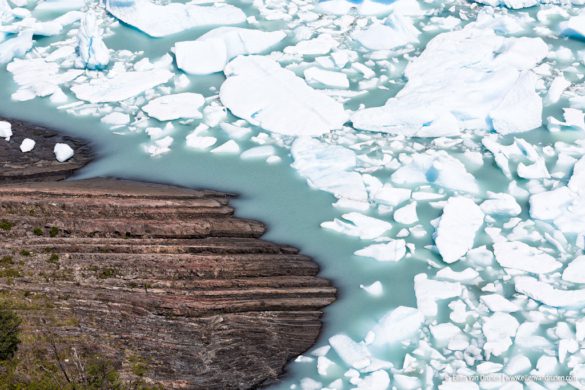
(6, 260)
(53, 232)
(6, 225)
(106, 273)
(25, 253)
(38, 231)
(9, 333)
(54, 258)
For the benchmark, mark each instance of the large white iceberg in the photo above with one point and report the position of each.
(212, 51)
(162, 20)
(490, 90)
(122, 86)
(90, 46)
(260, 91)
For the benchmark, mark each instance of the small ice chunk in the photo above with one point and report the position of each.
(265, 151)
(159, 147)
(197, 141)
(499, 329)
(353, 354)
(575, 271)
(395, 32)
(406, 215)
(27, 145)
(15, 47)
(63, 152)
(229, 147)
(120, 87)
(277, 100)
(170, 107)
(359, 225)
(428, 292)
(557, 87)
(212, 51)
(5, 130)
(375, 289)
(400, 324)
(457, 228)
(498, 303)
(116, 119)
(438, 168)
(501, 204)
(392, 251)
(520, 256)
(574, 27)
(328, 78)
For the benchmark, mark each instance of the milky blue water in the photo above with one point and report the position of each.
(273, 194)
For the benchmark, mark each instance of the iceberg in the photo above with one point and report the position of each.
(5, 130)
(392, 251)
(491, 74)
(63, 152)
(574, 27)
(397, 31)
(91, 48)
(121, 86)
(329, 168)
(547, 294)
(162, 20)
(179, 106)
(358, 225)
(520, 256)
(400, 324)
(212, 51)
(15, 47)
(436, 168)
(457, 228)
(277, 100)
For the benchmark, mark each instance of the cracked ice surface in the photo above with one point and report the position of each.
(448, 134)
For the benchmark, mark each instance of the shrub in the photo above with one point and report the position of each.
(38, 231)
(54, 258)
(9, 333)
(53, 231)
(6, 225)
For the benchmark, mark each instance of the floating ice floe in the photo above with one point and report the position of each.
(437, 168)
(121, 86)
(327, 78)
(212, 51)
(5, 130)
(520, 256)
(501, 204)
(400, 324)
(370, 7)
(162, 20)
(395, 32)
(575, 26)
(329, 168)
(15, 47)
(277, 100)
(358, 225)
(457, 228)
(392, 251)
(63, 152)
(429, 291)
(27, 145)
(574, 120)
(91, 48)
(564, 206)
(493, 87)
(60, 5)
(547, 294)
(575, 271)
(170, 107)
(514, 4)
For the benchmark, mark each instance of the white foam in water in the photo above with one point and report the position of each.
(448, 137)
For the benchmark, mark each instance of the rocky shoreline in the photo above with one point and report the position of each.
(163, 283)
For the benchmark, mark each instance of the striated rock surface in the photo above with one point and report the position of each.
(161, 274)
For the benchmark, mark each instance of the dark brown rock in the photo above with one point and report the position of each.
(164, 273)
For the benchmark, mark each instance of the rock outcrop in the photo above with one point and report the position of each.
(163, 273)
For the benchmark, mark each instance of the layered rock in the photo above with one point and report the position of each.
(164, 273)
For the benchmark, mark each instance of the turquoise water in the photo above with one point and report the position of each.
(276, 194)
